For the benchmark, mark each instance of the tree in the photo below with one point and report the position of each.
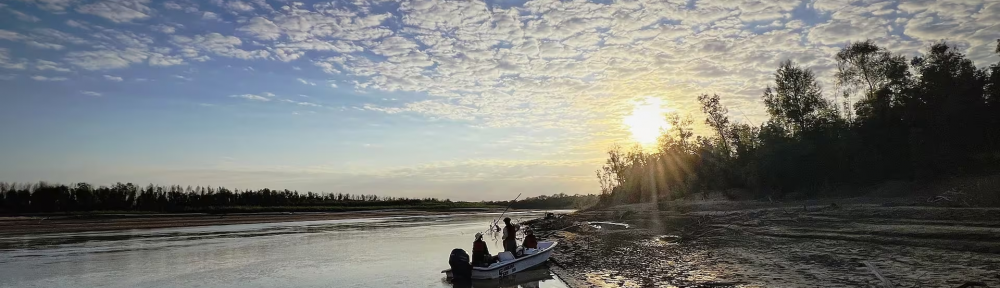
(874, 72)
(796, 99)
(717, 118)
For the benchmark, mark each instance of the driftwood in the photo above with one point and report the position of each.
(885, 282)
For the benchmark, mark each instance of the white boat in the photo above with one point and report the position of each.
(508, 266)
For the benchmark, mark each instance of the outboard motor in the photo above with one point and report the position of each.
(461, 269)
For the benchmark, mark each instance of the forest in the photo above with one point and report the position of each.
(43, 197)
(895, 118)
(554, 201)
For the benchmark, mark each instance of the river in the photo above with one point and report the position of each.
(406, 251)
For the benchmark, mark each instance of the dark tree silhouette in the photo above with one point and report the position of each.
(925, 118)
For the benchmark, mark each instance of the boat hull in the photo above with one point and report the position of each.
(507, 268)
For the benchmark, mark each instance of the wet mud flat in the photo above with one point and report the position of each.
(775, 245)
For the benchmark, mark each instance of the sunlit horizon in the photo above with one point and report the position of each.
(465, 100)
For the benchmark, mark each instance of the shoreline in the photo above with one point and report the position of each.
(71, 223)
(821, 243)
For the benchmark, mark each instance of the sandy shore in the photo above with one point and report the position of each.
(804, 244)
(19, 225)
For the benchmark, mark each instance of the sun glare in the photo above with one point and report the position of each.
(647, 120)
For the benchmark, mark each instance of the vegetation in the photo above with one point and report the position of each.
(928, 117)
(43, 197)
(124, 198)
(554, 201)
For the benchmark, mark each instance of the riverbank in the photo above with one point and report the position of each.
(86, 222)
(828, 243)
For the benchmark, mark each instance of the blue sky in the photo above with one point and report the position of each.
(454, 99)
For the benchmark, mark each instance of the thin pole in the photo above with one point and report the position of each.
(505, 211)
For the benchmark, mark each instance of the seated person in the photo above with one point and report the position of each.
(481, 252)
(529, 240)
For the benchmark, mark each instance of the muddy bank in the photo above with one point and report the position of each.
(15, 225)
(778, 245)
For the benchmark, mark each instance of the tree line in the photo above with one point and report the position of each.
(894, 118)
(44, 197)
(554, 201)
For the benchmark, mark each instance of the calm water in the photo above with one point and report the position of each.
(382, 252)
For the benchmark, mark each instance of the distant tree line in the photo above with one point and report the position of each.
(926, 117)
(44, 197)
(554, 201)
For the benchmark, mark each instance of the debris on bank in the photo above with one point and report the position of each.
(845, 245)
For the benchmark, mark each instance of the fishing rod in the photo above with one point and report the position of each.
(504, 211)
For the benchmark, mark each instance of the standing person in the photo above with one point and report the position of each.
(509, 236)
(480, 252)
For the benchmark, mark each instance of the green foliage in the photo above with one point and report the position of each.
(554, 201)
(936, 118)
(43, 197)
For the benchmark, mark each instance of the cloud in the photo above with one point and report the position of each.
(43, 78)
(7, 62)
(113, 78)
(91, 93)
(164, 29)
(106, 59)
(566, 66)
(10, 35)
(156, 59)
(210, 16)
(42, 45)
(252, 97)
(215, 43)
(45, 65)
(843, 31)
(172, 5)
(23, 17)
(261, 28)
(238, 7)
(303, 81)
(118, 11)
(77, 24)
(310, 104)
(55, 6)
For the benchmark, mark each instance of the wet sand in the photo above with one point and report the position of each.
(751, 244)
(18, 225)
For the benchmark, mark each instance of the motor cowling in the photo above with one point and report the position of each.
(461, 269)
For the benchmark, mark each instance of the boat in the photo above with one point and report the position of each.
(532, 277)
(510, 265)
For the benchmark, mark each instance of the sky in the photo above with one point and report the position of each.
(466, 100)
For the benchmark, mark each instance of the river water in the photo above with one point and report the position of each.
(376, 252)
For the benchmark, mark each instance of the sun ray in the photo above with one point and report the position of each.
(647, 121)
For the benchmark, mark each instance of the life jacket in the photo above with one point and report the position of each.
(509, 234)
(530, 242)
(478, 247)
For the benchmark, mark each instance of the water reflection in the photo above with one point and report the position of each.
(385, 252)
(533, 278)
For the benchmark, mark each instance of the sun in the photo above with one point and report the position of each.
(647, 120)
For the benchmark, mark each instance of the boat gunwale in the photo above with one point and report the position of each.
(540, 252)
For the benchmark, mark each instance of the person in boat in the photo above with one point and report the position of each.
(509, 236)
(480, 252)
(529, 240)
